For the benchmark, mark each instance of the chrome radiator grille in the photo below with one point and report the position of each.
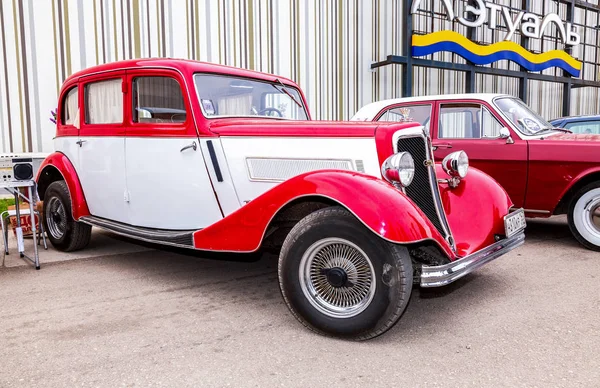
(420, 190)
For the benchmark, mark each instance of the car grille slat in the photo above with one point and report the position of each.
(420, 191)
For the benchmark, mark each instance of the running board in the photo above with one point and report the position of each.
(180, 238)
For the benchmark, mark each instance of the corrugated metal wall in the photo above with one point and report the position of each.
(327, 46)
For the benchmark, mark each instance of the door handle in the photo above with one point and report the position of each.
(187, 147)
(80, 142)
(442, 145)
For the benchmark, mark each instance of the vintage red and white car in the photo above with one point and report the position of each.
(547, 171)
(221, 159)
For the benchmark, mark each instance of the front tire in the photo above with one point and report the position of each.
(64, 233)
(338, 278)
(584, 216)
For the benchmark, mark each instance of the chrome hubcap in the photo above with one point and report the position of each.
(56, 218)
(592, 221)
(337, 278)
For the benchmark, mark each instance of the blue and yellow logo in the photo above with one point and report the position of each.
(454, 42)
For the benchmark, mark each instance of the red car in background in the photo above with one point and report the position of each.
(546, 170)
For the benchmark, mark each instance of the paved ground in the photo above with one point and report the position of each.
(135, 316)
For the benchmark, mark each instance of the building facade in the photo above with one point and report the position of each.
(327, 46)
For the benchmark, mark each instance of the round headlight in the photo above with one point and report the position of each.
(456, 164)
(399, 169)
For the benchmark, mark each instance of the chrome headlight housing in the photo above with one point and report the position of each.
(456, 164)
(399, 169)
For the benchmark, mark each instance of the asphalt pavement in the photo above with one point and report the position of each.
(128, 315)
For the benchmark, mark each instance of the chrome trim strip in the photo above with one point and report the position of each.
(438, 276)
(408, 132)
(136, 237)
(121, 229)
(439, 206)
(433, 182)
(536, 211)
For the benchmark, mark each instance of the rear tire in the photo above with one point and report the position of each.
(64, 233)
(339, 279)
(584, 216)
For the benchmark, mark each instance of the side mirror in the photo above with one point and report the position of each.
(505, 134)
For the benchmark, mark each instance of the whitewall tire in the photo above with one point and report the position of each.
(584, 216)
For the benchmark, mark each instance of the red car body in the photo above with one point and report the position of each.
(180, 169)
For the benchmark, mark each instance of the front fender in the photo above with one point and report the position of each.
(386, 211)
(58, 163)
(475, 210)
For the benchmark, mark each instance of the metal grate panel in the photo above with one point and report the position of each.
(272, 169)
(420, 189)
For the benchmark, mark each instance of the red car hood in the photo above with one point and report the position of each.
(312, 128)
(574, 137)
(566, 149)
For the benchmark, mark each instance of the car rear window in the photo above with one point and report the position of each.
(157, 99)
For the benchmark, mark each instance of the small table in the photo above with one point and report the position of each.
(13, 188)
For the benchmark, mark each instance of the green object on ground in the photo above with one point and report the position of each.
(5, 203)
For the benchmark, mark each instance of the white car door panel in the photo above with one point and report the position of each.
(102, 175)
(168, 186)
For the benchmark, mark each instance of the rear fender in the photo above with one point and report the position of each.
(55, 167)
(585, 177)
(386, 211)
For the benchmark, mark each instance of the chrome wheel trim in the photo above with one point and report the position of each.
(344, 301)
(587, 216)
(56, 218)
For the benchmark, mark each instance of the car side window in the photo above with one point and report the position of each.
(410, 113)
(70, 108)
(104, 102)
(584, 127)
(467, 121)
(157, 100)
(490, 126)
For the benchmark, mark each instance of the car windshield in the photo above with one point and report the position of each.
(523, 118)
(226, 96)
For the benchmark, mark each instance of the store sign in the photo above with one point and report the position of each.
(528, 24)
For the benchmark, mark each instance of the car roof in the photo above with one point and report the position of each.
(369, 111)
(185, 66)
(568, 119)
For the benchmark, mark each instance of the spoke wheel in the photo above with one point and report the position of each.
(337, 278)
(56, 218)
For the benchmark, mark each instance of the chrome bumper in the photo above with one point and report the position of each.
(438, 276)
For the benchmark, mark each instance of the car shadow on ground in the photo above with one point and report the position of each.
(553, 228)
(253, 284)
(250, 281)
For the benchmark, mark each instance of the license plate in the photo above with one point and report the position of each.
(514, 223)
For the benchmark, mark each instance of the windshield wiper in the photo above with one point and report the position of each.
(554, 129)
(283, 89)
